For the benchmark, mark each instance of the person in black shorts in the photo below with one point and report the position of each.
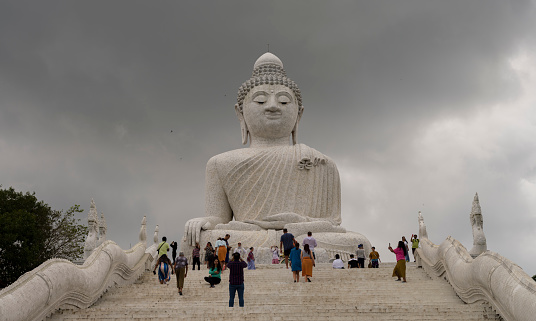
(287, 243)
(352, 263)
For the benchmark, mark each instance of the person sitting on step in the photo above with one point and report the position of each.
(215, 273)
(352, 264)
(338, 263)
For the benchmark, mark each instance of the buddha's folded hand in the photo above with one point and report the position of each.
(287, 218)
(193, 227)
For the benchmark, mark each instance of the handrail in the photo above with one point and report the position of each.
(59, 283)
(489, 277)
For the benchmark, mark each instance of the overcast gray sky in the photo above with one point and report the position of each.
(420, 103)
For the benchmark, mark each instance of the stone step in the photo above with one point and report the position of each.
(363, 294)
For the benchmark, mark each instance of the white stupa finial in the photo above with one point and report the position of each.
(268, 59)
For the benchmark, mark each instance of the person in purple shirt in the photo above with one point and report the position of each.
(310, 240)
(236, 279)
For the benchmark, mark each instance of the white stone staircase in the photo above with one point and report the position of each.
(271, 294)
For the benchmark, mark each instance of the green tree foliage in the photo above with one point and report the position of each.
(31, 233)
(534, 277)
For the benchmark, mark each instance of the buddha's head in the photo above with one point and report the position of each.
(269, 104)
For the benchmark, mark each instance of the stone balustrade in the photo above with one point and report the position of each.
(61, 284)
(487, 278)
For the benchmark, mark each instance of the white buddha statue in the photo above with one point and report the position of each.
(253, 193)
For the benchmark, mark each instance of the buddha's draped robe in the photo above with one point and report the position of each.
(296, 179)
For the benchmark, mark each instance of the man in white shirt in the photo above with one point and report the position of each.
(312, 243)
(338, 263)
(240, 250)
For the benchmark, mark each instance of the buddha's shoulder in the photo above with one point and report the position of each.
(233, 157)
(311, 152)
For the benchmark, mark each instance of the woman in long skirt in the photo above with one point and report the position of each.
(308, 262)
(221, 248)
(400, 268)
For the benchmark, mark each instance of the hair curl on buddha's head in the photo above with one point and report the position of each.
(268, 70)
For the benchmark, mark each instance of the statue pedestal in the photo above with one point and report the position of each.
(329, 243)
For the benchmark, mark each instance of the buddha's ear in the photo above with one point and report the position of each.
(243, 125)
(295, 130)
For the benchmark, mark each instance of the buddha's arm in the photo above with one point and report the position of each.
(217, 208)
(280, 221)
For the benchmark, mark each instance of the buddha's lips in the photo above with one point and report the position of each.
(272, 115)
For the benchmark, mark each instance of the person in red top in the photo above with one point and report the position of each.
(236, 279)
(400, 268)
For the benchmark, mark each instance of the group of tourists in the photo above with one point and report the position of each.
(300, 261)
(222, 250)
(166, 267)
(217, 261)
(401, 252)
(374, 257)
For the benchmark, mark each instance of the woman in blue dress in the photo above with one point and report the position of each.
(295, 262)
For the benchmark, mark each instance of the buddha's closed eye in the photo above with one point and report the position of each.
(260, 99)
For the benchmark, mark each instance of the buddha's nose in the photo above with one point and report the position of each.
(272, 105)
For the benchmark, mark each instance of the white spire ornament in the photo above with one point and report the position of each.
(92, 235)
(102, 230)
(477, 223)
(422, 227)
(143, 230)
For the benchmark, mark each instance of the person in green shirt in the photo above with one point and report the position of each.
(215, 273)
(163, 247)
(414, 245)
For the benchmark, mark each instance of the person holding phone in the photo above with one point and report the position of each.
(414, 245)
(400, 268)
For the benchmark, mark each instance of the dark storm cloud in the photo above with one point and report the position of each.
(416, 101)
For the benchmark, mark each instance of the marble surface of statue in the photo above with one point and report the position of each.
(253, 193)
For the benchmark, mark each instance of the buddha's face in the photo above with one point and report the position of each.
(270, 111)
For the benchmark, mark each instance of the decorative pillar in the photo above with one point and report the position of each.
(102, 230)
(477, 223)
(422, 227)
(155, 238)
(92, 235)
(143, 231)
